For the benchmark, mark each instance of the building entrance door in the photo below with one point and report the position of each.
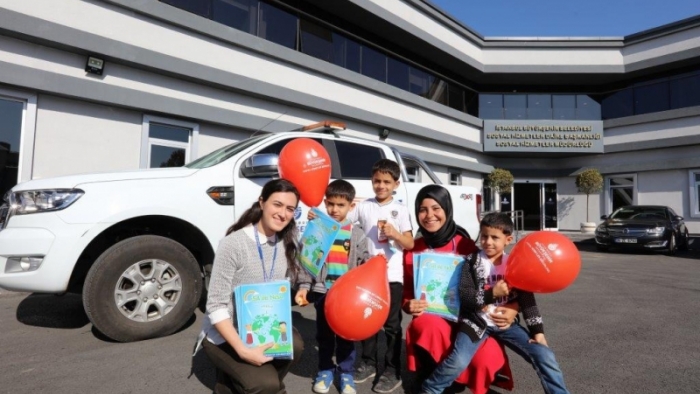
(538, 202)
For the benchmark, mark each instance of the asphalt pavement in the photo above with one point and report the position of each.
(627, 325)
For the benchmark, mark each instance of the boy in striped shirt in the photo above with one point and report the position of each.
(348, 251)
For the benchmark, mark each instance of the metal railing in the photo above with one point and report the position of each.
(518, 218)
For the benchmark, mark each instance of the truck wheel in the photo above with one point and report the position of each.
(143, 287)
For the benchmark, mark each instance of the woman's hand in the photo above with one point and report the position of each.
(504, 315)
(539, 338)
(311, 215)
(255, 356)
(300, 297)
(415, 307)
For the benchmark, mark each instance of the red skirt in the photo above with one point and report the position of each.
(435, 335)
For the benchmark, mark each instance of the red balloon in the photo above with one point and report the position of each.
(306, 164)
(357, 304)
(543, 262)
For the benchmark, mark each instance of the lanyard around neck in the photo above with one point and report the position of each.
(454, 246)
(266, 277)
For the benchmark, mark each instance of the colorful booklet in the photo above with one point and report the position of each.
(436, 280)
(317, 240)
(264, 315)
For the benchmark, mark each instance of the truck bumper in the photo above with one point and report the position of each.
(38, 252)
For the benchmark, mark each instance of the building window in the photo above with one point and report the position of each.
(694, 177)
(621, 190)
(17, 120)
(455, 176)
(167, 142)
(413, 173)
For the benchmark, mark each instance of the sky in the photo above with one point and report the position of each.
(567, 18)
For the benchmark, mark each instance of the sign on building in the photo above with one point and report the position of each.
(574, 136)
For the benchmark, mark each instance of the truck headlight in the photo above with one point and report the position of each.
(35, 201)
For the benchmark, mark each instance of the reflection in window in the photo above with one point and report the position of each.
(651, 98)
(11, 112)
(346, 53)
(621, 191)
(398, 74)
(373, 64)
(239, 14)
(167, 156)
(419, 82)
(438, 91)
(167, 143)
(316, 41)
(413, 174)
(356, 160)
(618, 104)
(685, 92)
(278, 26)
(455, 176)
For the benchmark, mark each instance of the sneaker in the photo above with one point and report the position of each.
(347, 385)
(364, 371)
(387, 383)
(323, 382)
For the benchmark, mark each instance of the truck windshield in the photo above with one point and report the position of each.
(223, 154)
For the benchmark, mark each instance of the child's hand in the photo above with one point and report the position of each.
(389, 231)
(300, 297)
(539, 338)
(416, 307)
(500, 289)
(311, 215)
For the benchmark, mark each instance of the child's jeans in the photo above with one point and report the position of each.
(330, 343)
(517, 339)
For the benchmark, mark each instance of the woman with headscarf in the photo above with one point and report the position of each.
(429, 337)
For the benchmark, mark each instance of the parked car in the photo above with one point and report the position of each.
(139, 245)
(652, 227)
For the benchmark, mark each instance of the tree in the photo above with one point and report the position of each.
(500, 180)
(590, 182)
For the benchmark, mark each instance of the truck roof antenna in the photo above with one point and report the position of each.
(269, 123)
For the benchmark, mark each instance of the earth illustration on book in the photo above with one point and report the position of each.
(264, 315)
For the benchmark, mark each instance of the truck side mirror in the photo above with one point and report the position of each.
(261, 166)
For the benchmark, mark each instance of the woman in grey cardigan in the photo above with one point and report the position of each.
(249, 254)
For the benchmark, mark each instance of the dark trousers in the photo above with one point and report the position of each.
(233, 375)
(392, 332)
(329, 342)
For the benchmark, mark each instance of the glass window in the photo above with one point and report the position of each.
(202, 8)
(398, 74)
(167, 143)
(239, 14)
(491, 106)
(455, 176)
(515, 106)
(373, 64)
(413, 174)
(587, 108)
(316, 41)
(278, 26)
(11, 113)
(651, 98)
(618, 104)
(419, 81)
(694, 176)
(356, 160)
(685, 92)
(455, 97)
(346, 53)
(620, 191)
(438, 91)
(539, 106)
(564, 107)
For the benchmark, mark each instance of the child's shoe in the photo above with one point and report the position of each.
(323, 382)
(347, 384)
(364, 372)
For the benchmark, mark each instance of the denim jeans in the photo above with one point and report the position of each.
(517, 339)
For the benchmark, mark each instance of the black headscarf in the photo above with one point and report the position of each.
(450, 228)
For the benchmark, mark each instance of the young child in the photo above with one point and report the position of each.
(348, 251)
(388, 225)
(482, 287)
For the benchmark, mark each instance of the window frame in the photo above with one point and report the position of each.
(191, 146)
(454, 171)
(25, 168)
(694, 199)
(608, 189)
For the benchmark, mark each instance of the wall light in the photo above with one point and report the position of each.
(384, 133)
(94, 65)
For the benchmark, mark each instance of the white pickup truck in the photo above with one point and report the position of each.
(139, 245)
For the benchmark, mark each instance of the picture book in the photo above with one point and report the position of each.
(436, 280)
(317, 240)
(264, 315)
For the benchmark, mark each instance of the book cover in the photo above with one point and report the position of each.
(316, 242)
(264, 315)
(437, 281)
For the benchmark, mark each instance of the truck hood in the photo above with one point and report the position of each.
(72, 181)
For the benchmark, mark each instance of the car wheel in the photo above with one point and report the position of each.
(672, 245)
(143, 287)
(602, 248)
(685, 241)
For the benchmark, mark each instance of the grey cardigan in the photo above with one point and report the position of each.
(357, 255)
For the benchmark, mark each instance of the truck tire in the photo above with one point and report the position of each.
(143, 287)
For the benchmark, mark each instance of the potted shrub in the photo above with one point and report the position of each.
(589, 182)
(500, 180)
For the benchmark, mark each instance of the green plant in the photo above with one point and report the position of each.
(500, 180)
(590, 182)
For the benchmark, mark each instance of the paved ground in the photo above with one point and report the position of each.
(627, 325)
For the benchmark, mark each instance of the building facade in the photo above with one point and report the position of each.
(104, 85)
